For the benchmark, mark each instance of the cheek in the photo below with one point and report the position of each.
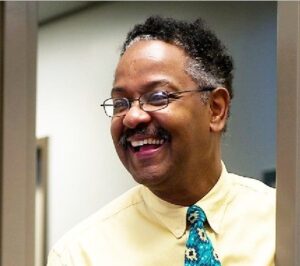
(189, 124)
(176, 119)
(116, 128)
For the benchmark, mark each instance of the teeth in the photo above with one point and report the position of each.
(138, 143)
(135, 143)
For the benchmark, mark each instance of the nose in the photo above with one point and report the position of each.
(135, 116)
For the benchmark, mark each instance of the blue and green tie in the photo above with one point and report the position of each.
(199, 250)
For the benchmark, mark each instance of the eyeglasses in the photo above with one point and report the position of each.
(149, 102)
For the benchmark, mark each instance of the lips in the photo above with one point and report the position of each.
(145, 144)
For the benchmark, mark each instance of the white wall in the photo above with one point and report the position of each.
(76, 60)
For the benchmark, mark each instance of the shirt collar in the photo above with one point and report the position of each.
(215, 202)
(173, 216)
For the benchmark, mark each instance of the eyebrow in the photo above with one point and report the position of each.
(116, 90)
(148, 86)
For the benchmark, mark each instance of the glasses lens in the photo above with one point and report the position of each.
(116, 106)
(153, 101)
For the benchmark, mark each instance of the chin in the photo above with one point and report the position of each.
(149, 178)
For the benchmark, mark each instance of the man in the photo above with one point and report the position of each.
(169, 107)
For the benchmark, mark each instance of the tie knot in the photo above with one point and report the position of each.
(195, 215)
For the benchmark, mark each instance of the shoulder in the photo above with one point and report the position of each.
(97, 222)
(251, 185)
(253, 192)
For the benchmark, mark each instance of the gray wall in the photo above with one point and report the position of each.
(76, 60)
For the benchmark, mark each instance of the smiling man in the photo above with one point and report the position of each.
(169, 106)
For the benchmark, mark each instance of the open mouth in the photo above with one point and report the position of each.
(145, 144)
(144, 139)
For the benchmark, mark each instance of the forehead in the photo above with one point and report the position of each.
(155, 50)
(149, 61)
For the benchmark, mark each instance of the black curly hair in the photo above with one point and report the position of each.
(209, 63)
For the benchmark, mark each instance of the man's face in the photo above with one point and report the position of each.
(184, 144)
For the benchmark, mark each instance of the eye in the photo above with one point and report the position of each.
(120, 105)
(156, 98)
(173, 96)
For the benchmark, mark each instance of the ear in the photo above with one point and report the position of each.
(219, 106)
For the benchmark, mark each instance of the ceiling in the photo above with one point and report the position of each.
(52, 10)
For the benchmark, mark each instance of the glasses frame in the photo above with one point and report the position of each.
(168, 94)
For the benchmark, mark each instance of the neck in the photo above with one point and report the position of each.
(194, 187)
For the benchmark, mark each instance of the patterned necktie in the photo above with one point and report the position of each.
(199, 250)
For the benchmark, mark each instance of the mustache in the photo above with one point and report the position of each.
(157, 132)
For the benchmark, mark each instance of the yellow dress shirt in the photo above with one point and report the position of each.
(140, 229)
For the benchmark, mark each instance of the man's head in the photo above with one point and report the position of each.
(208, 63)
(175, 149)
